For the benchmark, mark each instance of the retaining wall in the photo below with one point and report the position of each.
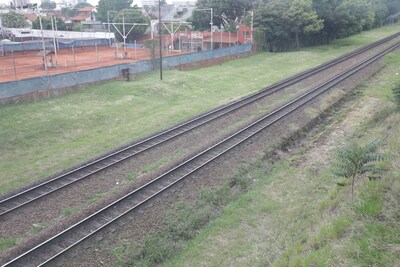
(44, 86)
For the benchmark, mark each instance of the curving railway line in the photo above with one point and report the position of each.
(13, 202)
(50, 250)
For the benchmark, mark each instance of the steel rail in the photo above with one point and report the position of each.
(71, 237)
(34, 193)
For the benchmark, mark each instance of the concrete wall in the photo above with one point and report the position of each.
(59, 83)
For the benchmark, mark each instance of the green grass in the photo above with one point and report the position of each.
(294, 217)
(6, 243)
(38, 139)
(69, 211)
(95, 198)
(182, 224)
(154, 166)
(38, 227)
(132, 176)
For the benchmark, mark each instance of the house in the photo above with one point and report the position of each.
(30, 17)
(84, 14)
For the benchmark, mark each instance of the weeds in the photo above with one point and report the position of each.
(396, 95)
(132, 176)
(6, 243)
(37, 227)
(183, 223)
(69, 211)
(153, 166)
(95, 198)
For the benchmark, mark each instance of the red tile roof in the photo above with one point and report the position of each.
(87, 9)
(30, 17)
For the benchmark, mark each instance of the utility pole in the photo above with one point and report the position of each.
(160, 36)
(2, 33)
(44, 54)
(251, 27)
(212, 33)
(123, 29)
(124, 34)
(54, 37)
(211, 24)
(109, 30)
(109, 25)
(43, 45)
(58, 43)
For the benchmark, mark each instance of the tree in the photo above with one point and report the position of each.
(326, 11)
(131, 15)
(393, 6)
(274, 20)
(381, 12)
(224, 13)
(227, 11)
(352, 16)
(353, 160)
(14, 20)
(201, 18)
(68, 12)
(111, 5)
(305, 20)
(48, 5)
(46, 23)
(81, 5)
(77, 28)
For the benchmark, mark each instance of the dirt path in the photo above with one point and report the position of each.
(340, 131)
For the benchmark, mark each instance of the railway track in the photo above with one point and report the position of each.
(51, 249)
(34, 193)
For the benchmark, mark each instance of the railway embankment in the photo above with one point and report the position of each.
(303, 117)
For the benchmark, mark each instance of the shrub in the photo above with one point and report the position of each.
(354, 160)
(396, 95)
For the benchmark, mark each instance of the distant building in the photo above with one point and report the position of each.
(75, 2)
(20, 3)
(30, 17)
(84, 14)
(173, 13)
(52, 12)
(87, 18)
(149, 2)
(183, 3)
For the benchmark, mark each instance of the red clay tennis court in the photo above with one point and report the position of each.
(27, 64)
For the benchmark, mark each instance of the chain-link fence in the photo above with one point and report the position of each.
(53, 79)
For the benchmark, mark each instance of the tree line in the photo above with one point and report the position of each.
(286, 24)
(280, 24)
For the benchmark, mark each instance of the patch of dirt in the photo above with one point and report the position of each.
(320, 151)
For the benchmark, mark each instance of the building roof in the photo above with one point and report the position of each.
(179, 14)
(30, 17)
(86, 9)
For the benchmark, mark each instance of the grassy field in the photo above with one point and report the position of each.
(299, 214)
(38, 139)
